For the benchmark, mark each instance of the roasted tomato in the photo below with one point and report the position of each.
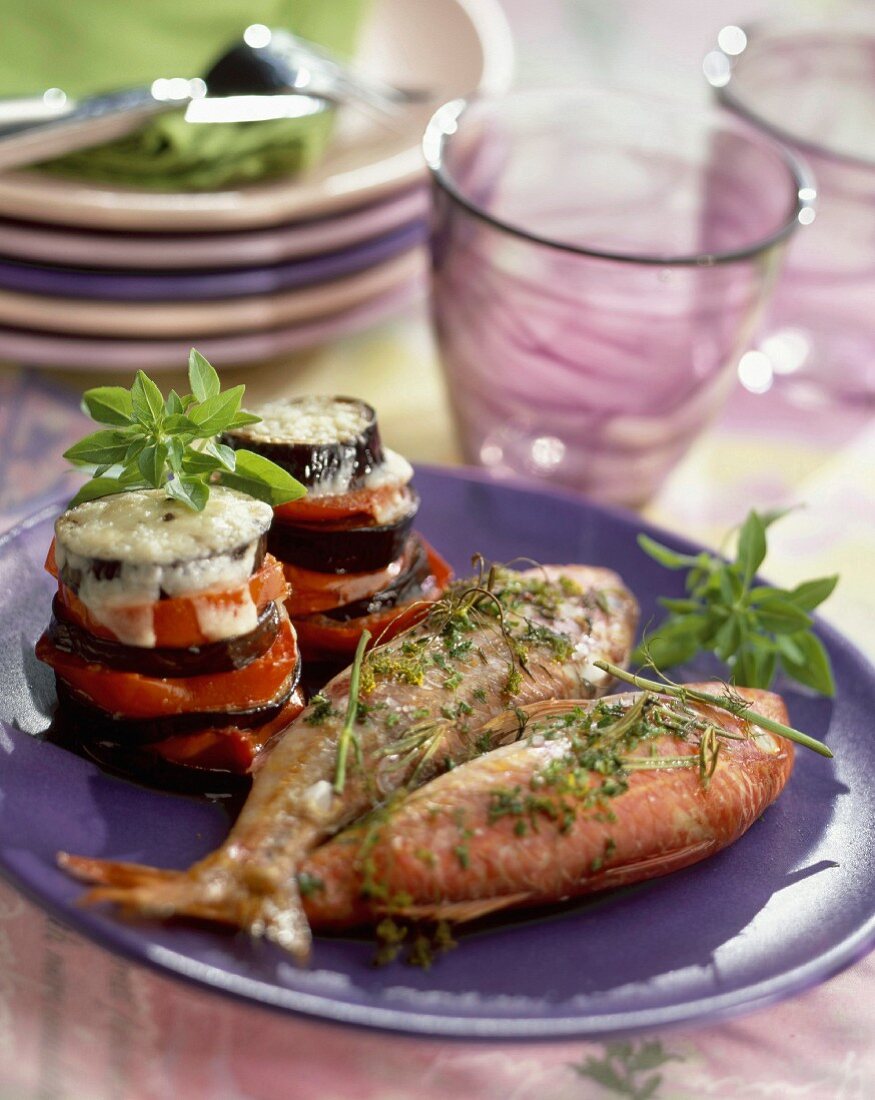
(131, 695)
(322, 638)
(359, 506)
(232, 749)
(176, 621)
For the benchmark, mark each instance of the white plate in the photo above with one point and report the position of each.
(92, 354)
(451, 47)
(193, 320)
(255, 248)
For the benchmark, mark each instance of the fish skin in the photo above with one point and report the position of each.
(665, 820)
(251, 880)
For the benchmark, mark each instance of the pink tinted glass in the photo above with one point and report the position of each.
(599, 264)
(815, 90)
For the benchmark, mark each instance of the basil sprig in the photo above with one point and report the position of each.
(754, 628)
(153, 442)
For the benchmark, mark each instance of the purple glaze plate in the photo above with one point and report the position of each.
(787, 906)
(197, 286)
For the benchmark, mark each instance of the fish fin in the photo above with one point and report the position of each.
(662, 862)
(459, 911)
(280, 918)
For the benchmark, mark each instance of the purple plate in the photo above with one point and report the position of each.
(124, 286)
(784, 908)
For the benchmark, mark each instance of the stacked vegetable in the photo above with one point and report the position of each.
(348, 549)
(169, 638)
(172, 650)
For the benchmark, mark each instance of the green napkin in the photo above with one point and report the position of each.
(97, 45)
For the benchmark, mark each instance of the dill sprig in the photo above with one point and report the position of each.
(730, 701)
(347, 734)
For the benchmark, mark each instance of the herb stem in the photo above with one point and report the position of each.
(722, 701)
(347, 734)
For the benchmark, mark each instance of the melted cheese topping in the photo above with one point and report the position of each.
(159, 546)
(145, 528)
(226, 618)
(394, 469)
(309, 420)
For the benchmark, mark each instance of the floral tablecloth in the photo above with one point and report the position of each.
(78, 1023)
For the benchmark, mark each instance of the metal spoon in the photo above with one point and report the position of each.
(270, 74)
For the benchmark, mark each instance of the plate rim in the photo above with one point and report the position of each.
(128, 941)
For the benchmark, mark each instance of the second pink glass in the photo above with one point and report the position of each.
(599, 264)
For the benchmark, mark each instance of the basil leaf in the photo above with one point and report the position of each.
(98, 487)
(202, 377)
(728, 638)
(108, 405)
(811, 594)
(680, 607)
(179, 424)
(196, 462)
(102, 447)
(263, 479)
(175, 454)
(189, 490)
(226, 456)
(788, 648)
(216, 413)
(751, 550)
(148, 404)
(173, 405)
(671, 559)
(151, 464)
(673, 643)
(814, 669)
(754, 668)
(780, 616)
(241, 419)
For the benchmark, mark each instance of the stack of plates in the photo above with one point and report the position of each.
(104, 278)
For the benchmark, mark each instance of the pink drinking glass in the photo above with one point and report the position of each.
(814, 89)
(600, 260)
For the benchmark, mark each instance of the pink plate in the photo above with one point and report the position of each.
(56, 245)
(75, 353)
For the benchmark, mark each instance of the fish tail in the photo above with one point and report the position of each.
(143, 891)
(138, 890)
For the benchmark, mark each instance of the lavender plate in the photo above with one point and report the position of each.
(784, 908)
(196, 286)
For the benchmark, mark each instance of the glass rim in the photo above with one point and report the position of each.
(757, 31)
(444, 122)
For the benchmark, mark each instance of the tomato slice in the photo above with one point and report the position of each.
(130, 695)
(324, 639)
(313, 592)
(175, 621)
(231, 748)
(358, 505)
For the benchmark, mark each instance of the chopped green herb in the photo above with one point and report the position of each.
(309, 884)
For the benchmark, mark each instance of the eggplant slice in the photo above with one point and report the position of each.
(316, 439)
(227, 655)
(405, 588)
(333, 548)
